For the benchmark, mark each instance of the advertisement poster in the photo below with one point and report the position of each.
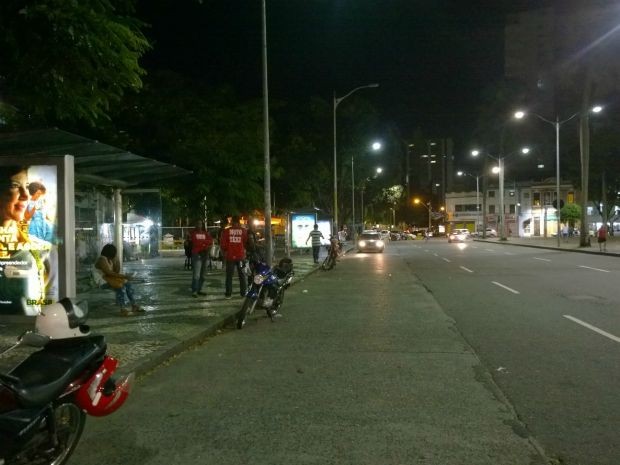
(301, 225)
(28, 251)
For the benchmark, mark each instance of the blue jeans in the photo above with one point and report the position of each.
(199, 268)
(121, 292)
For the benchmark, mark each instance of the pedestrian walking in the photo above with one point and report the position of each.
(565, 232)
(233, 246)
(316, 237)
(201, 243)
(601, 237)
(107, 274)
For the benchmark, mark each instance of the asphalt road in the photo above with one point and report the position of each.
(364, 368)
(547, 325)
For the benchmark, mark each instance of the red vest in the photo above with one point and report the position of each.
(201, 241)
(233, 243)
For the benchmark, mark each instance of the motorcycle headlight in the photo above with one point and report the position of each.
(258, 279)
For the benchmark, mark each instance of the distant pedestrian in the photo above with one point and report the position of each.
(565, 232)
(601, 236)
(316, 237)
(201, 243)
(187, 246)
(233, 246)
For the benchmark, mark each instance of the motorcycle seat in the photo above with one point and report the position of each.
(45, 374)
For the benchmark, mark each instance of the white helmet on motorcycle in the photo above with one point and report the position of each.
(62, 320)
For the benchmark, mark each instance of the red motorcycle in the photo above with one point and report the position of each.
(45, 399)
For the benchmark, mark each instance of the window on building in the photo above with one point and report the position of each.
(536, 199)
(491, 193)
(547, 198)
(491, 209)
(512, 208)
(458, 208)
(570, 197)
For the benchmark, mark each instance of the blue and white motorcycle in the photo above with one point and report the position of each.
(266, 289)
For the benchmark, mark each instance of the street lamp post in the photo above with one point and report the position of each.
(337, 101)
(428, 207)
(375, 146)
(500, 170)
(477, 177)
(556, 124)
(377, 172)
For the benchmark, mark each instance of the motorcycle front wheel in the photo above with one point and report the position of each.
(247, 307)
(329, 262)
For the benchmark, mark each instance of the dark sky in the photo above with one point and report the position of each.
(431, 57)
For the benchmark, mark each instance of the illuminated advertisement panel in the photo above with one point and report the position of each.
(302, 224)
(29, 235)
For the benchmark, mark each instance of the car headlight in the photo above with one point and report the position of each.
(361, 243)
(380, 244)
(258, 279)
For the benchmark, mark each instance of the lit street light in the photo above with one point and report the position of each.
(500, 170)
(428, 207)
(378, 171)
(556, 124)
(477, 177)
(337, 101)
(376, 146)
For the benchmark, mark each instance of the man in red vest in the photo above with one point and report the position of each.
(201, 242)
(233, 246)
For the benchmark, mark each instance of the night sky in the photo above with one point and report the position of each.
(431, 57)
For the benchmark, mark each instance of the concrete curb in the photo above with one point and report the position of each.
(535, 246)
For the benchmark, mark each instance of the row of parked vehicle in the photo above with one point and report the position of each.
(462, 234)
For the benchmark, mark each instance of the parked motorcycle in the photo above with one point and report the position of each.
(266, 290)
(45, 399)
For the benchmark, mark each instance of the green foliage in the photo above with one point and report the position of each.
(570, 213)
(68, 60)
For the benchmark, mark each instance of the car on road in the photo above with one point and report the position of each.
(490, 232)
(370, 241)
(459, 235)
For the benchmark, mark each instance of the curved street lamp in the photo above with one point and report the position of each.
(337, 101)
(500, 170)
(556, 124)
(376, 146)
(477, 177)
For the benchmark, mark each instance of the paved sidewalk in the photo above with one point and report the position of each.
(570, 244)
(173, 321)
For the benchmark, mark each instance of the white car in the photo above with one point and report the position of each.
(385, 235)
(490, 232)
(459, 235)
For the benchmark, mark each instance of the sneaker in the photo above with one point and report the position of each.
(125, 311)
(202, 293)
(194, 294)
(137, 309)
(228, 297)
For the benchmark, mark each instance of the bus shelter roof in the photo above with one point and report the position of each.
(95, 162)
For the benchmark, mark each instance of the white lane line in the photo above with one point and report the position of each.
(593, 328)
(505, 287)
(508, 253)
(542, 259)
(466, 269)
(446, 260)
(595, 269)
(490, 250)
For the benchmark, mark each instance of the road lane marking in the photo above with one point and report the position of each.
(466, 269)
(446, 260)
(505, 287)
(490, 250)
(542, 259)
(595, 269)
(593, 328)
(508, 253)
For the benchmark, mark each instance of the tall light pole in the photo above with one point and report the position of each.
(556, 124)
(337, 101)
(378, 171)
(462, 173)
(267, 181)
(376, 146)
(500, 170)
(428, 207)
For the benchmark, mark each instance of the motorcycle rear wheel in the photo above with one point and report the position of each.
(70, 422)
(329, 262)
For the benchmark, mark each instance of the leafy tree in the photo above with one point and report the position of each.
(67, 60)
(570, 213)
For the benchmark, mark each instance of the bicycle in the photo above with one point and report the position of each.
(332, 255)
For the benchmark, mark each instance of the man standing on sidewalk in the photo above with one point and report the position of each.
(316, 237)
(233, 246)
(201, 242)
